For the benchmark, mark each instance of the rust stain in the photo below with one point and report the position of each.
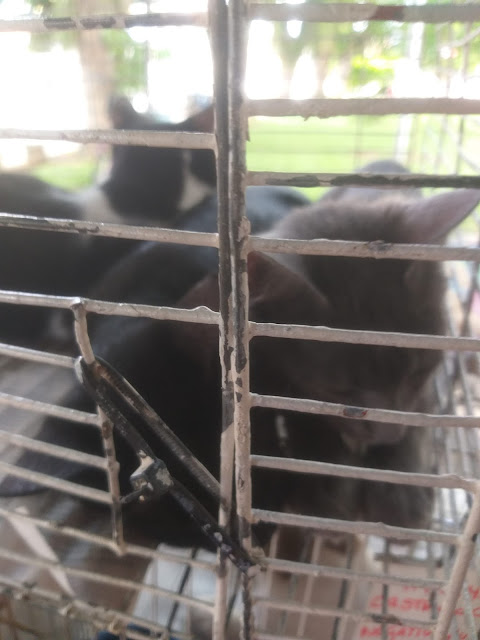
(354, 412)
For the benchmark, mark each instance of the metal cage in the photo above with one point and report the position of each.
(427, 589)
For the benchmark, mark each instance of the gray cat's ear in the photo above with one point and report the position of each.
(431, 219)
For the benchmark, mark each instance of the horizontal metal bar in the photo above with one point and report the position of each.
(349, 12)
(106, 21)
(167, 139)
(73, 415)
(311, 610)
(109, 230)
(65, 486)
(108, 543)
(316, 246)
(389, 181)
(376, 249)
(446, 481)
(100, 617)
(202, 315)
(32, 355)
(410, 419)
(344, 526)
(356, 336)
(99, 578)
(65, 453)
(331, 107)
(321, 571)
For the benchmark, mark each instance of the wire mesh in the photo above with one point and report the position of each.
(362, 584)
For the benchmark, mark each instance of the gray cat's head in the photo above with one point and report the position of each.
(351, 293)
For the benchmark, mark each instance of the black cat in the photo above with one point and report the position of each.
(145, 185)
(175, 366)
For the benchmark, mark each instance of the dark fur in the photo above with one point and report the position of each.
(176, 367)
(145, 184)
(149, 181)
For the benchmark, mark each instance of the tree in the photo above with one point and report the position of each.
(352, 46)
(111, 61)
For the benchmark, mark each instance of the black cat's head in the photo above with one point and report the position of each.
(155, 183)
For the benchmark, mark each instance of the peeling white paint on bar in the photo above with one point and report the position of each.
(64, 486)
(109, 229)
(44, 408)
(353, 12)
(57, 451)
(32, 355)
(345, 526)
(107, 21)
(357, 336)
(408, 418)
(302, 568)
(390, 181)
(446, 481)
(333, 107)
(177, 139)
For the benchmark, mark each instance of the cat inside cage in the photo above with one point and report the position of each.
(346, 377)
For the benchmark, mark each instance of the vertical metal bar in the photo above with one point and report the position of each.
(465, 551)
(218, 21)
(239, 233)
(83, 340)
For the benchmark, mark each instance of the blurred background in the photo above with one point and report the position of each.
(63, 80)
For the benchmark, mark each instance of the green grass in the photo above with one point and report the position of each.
(342, 144)
(292, 144)
(71, 172)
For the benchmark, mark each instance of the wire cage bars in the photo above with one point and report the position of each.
(427, 588)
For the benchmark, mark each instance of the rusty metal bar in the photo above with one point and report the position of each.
(287, 605)
(465, 551)
(334, 107)
(349, 12)
(106, 428)
(178, 139)
(345, 526)
(45, 408)
(390, 181)
(377, 249)
(106, 21)
(447, 481)
(32, 355)
(31, 444)
(220, 45)
(356, 336)
(199, 314)
(363, 413)
(110, 230)
(239, 233)
(321, 571)
(49, 482)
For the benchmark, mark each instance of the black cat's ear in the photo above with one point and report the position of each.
(431, 219)
(201, 121)
(121, 112)
(278, 294)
